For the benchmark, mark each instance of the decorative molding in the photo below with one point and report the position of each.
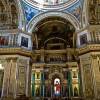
(5, 51)
(32, 25)
(88, 48)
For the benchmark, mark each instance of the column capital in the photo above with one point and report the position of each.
(11, 58)
(94, 56)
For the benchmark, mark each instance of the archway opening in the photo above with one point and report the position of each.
(54, 47)
(54, 33)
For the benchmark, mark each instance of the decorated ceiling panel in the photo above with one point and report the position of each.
(32, 8)
(47, 4)
(29, 11)
(75, 10)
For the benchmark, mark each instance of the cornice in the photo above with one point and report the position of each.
(15, 51)
(88, 48)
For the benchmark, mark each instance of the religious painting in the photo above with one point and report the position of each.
(37, 90)
(24, 41)
(83, 39)
(75, 90)
(37, 75)
(4, 40)
(57, 87)
(77, 12)
(74, 74)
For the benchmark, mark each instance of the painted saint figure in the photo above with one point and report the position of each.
(57, 87)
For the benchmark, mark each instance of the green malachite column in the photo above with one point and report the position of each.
(42, 84)
(33, 84)
(70, 84)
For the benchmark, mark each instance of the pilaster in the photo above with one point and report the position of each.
(87, 77)
(96, 71)
(9, 81)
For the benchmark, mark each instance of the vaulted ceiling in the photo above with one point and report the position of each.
(54, 27)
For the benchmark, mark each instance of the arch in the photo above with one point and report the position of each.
(54, 38)
(31, 26)
(60, 75)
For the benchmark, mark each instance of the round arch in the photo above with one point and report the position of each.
(60, 75)
(54, 38)
(67, 16)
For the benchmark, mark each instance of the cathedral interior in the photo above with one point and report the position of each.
(49, 49)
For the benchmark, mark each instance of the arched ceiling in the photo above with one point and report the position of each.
(54, 24)
(54, 27)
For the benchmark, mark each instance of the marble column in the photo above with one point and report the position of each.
(21, 88)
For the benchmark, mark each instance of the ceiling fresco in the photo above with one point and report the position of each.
(49, 2)
(30, 11)
(75, 10)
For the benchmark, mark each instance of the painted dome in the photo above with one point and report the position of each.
(49, 4)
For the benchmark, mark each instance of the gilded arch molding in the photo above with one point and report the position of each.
(31, 26)
(58, 74)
